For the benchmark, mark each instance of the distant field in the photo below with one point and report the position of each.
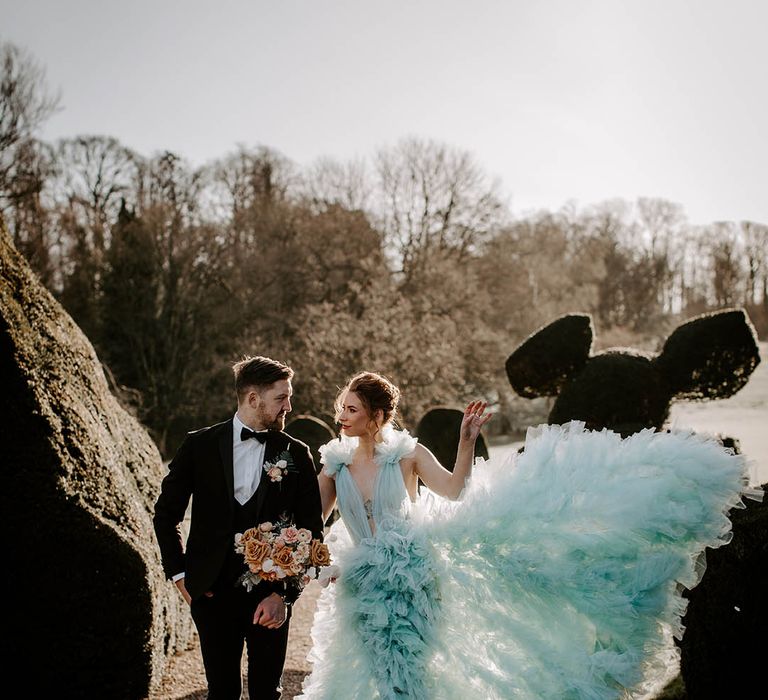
(743, 416)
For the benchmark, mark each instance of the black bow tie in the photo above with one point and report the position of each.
(260, 435)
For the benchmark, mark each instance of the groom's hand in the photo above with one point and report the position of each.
(270, 612)
(180, 585)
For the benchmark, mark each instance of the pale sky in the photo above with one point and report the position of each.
(581, 100)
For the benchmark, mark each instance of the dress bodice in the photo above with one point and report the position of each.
(390, 496)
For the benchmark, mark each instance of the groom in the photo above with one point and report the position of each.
(224, 469)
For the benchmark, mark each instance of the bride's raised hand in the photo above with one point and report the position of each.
(474, 419)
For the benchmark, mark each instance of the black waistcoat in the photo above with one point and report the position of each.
(245, 516)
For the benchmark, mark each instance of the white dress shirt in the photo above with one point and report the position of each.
(247, 462)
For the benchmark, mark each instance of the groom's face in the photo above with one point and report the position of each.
(272, 404)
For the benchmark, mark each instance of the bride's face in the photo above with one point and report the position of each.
(353, 418)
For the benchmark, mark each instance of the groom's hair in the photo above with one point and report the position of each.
(259, 372)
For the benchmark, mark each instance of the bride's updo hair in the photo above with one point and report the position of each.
(376, 393)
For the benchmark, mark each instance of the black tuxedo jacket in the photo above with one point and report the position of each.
(202, 469)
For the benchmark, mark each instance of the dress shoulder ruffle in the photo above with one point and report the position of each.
(339, 452)
(336, 454)
(397, 444)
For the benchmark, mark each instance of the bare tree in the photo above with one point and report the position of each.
(96, 174)
(251, 178)
(756, 250)
(330, 183)
(664, 226)
(662, 221)
(726, 268)
(25, 104)
(23, 206)
(436, 202)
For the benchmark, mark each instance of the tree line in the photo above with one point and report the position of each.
(409, 262)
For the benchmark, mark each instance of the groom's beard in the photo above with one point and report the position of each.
(272, 422)
(279, 423)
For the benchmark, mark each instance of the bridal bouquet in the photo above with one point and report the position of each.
(281, 552)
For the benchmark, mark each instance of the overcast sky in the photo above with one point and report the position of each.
(561, 100)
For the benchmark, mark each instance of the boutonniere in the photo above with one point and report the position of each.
(278, 469)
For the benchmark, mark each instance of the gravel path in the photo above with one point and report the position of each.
(185, 677)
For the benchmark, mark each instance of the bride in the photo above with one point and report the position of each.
(553, 574)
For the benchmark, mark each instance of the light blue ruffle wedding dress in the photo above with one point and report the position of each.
(556, 575)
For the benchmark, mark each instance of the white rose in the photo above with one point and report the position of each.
(328, 574)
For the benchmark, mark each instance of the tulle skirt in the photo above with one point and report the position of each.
(558, 574)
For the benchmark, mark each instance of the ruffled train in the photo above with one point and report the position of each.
(557, 575)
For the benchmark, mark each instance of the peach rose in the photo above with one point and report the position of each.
(283, 558)
(266, 527)
(258, 535)
(275, 474)
(291, 534)
(319, 554)
(248, 535)
(256, 552)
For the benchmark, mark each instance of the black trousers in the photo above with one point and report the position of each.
(224, 622)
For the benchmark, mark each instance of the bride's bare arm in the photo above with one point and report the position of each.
(327, 494)
(436, 477)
